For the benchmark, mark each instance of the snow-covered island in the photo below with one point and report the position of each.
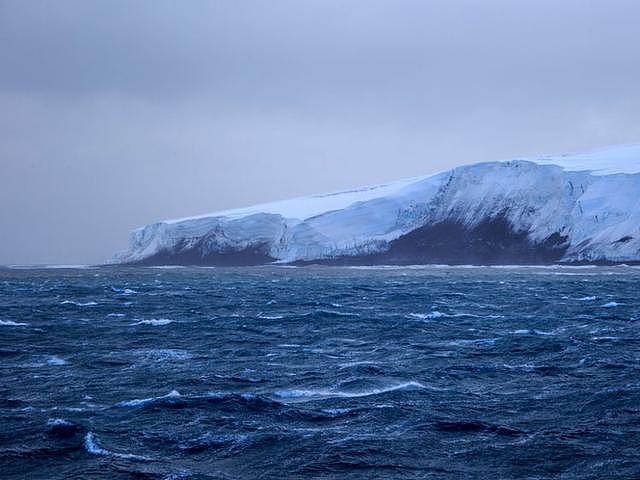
(579, 208)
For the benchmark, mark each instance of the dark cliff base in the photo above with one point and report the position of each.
(492, 242)
(238, 258)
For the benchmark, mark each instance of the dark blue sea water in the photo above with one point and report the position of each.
(332, 373)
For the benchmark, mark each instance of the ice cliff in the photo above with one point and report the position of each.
(580, 208)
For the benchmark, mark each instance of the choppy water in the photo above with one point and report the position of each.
(320, 373)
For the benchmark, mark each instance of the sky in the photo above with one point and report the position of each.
(115, 114)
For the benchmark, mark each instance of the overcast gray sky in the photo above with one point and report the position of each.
(114, 114)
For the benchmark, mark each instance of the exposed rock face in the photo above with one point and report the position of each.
(491, 242)
(514, 212)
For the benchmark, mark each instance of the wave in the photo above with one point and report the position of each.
(123, 291)
(46, 360)
(437, 314)
(270, 317)
(465, 342)
(320, 394)
(162, 354)
(11, 323)
(587, 299)
(239, 379)
(176, 400)
(78, 304)
(473, 426)
(536, 332)
(428, 316)
(211, 440)
(321, 312)
(60, 427)
(611, 305)
(154, 321)
(357, 364)
(92, 446)
(173, 394)
(55, 360)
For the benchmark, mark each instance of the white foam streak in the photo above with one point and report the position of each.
(92, 446)
(156, 322)
(138, 402)
(610, 305)
(309, 395)
(55, 360)
(11, 323)
(78, 304)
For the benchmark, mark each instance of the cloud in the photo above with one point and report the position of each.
(114, 114)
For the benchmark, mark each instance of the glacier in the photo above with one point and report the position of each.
(572, 208)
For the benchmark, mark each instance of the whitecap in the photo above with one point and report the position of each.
(610, 305)
(55, 360)
(270, 317)
(124, 291)
(78, 304)
(523, 366)
(11, 323)
(154, 321)
(309, 395)
(52, 422)
(138, 402)
(162, 354)
(428, 316)
(337, 411)
(587, 299)
(465, 342)
(542, 332)
(116, 315)
(92, 446)
(356, 364)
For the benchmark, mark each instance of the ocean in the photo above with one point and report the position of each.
(320, 372)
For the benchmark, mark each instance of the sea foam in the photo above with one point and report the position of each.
(319, 394)
(610, 305)
(154, 321)
(11, 323)
(78, 304)
(144, 401)
(92, 446)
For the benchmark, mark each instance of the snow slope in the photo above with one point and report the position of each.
(589, 200)
(605, 161)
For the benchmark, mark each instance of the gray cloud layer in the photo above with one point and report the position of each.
(114, 114)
